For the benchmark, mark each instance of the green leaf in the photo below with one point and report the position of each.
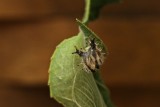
(93, 7)
(69, 83)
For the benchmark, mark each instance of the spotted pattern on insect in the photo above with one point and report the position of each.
(92, 56)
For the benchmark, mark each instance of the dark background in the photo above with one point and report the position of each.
(30, 31)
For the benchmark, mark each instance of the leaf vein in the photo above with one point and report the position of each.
(86, 96)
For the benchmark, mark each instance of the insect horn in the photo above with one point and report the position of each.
(80, 53)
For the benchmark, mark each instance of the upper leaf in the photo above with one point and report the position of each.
(93, 7)
(88, 33)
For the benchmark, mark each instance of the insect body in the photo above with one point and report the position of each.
(92, 57)
(87, 60)
(96, 53)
